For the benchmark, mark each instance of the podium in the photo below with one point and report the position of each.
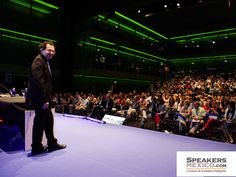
(15, 113)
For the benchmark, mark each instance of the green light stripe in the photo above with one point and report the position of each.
(107, 48)
(145, 58)
(202, 34)
(111, 78)
(137, 51)
(143, 53)
(173, 60)
(194, 60)
(215, 34)
(88, 43)
(210, 58)
(139, 33)
(28, 5)
(20, 39)
(210, 37)
(101, 40)
(132, 30)
(25, 35)
(128, 28)
(16, 38)
(126, 53)
(223, 35)
(122, 52)
(47, 4)
(201, 38)
(181, 41)
(100, 46)
(142, 26)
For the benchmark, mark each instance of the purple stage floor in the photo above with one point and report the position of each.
(105, 150)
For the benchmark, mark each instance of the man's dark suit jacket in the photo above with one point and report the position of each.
(40, 88)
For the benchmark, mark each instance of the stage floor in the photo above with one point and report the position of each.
(105, 150)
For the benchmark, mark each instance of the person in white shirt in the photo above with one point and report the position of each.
(197, 117)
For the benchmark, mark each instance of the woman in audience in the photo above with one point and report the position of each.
(184, 115)
(212, 118)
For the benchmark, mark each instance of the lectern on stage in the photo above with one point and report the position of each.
(14, 112)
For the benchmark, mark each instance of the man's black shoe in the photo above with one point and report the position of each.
(56, 147)
(37, 151)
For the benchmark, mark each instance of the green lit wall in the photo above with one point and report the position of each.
(114, 44)
(191, 47)
(117, 33)
(22, 28)
(97, 84)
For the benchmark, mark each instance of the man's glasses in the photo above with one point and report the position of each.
(51, 51)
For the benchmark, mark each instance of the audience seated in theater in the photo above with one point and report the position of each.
(213, 92)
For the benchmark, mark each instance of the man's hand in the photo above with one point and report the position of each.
(45, 106)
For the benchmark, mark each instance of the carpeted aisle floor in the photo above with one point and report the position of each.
(105, 150)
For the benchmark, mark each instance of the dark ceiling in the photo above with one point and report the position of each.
(193, 16)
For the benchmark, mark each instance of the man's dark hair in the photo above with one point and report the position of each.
(44, 44)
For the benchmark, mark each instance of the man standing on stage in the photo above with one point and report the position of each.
(39, 96)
